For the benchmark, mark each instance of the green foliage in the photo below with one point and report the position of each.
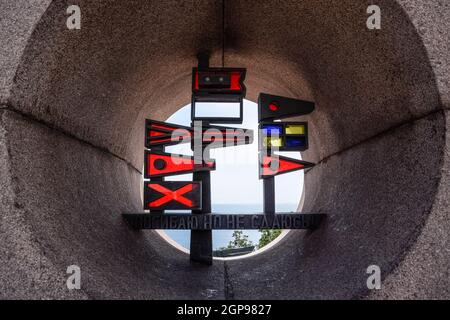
(239, 241)
(267, 236)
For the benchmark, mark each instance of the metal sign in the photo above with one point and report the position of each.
(280, 136)
(272, 107)
(159, 133)
(161, 164)
(223, 221)
(218, 85)
(172, 195)
(284, 136)
(271, 166)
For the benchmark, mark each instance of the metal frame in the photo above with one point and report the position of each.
(219, 95)
(227, 120)
(284, 135)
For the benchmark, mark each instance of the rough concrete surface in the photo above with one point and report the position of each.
(375, 208)
(425, 271)
(71, 143)
(66, 210)
(17, 21)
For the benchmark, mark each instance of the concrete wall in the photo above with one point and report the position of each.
(73, 105)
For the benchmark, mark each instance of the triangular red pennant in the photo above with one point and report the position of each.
(161, 133)
(165, 134)
(160, 164)
(274, 165)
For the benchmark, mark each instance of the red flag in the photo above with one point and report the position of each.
(160, 164)
(172, 195)
(274, 165)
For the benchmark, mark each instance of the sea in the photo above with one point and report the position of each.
(222, 237)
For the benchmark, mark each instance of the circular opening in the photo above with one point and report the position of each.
(237, 189)
(378, 175)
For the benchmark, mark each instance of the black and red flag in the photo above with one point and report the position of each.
(172, 195)
(159, 133)
(274, 165)
(220, 85)
(161, 164)
(271, 107)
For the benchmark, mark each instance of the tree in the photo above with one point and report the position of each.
(267, 236)
(239, 241)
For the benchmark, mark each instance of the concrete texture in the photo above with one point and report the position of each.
(425, 271)
(432, 24)
(17, 22)
(71, 144)
(375, 208)
(62, 214)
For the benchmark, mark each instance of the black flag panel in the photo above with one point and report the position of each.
(172, 195)
(161, 164)
(220, 85)
(159, 133)
(272, 107)
(284, 136)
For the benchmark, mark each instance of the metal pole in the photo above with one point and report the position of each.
(269, 193)
(201, 240)
(157, 179)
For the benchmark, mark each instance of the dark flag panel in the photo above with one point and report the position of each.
(272, 107)
(161, 164)
(220, 85)
(283, 136)
(159, 133)
(172, 195)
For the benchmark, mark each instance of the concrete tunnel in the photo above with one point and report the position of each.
(73, 104)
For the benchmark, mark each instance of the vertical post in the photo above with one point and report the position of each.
(157, 179)
(269, 193)
(201, 240)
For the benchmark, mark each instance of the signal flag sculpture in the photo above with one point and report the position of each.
(219, 85)
(280, 136)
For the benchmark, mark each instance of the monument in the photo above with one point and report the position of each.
(220, 85)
